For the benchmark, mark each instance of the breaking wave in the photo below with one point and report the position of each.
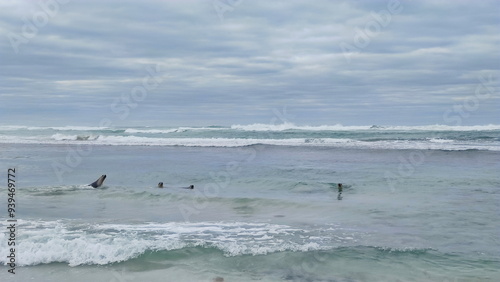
(432, 137)
(43, 242)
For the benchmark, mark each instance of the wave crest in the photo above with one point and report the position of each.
(340, 127)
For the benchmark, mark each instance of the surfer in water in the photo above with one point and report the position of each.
(339, 186)
(160, 185)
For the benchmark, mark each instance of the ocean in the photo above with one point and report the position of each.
(419, 203)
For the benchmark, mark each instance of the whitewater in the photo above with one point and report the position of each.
(435, 137)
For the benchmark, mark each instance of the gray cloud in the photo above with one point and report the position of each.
(406, 67)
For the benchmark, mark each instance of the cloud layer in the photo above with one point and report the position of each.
(226, 62)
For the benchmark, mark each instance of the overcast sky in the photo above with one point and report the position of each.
(223, 62)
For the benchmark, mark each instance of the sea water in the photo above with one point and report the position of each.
(418, 203)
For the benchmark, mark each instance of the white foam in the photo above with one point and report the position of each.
(430, 144)
(440, 140)
(78, 244)
(172, 130)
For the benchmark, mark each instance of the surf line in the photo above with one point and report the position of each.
(11, 209)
